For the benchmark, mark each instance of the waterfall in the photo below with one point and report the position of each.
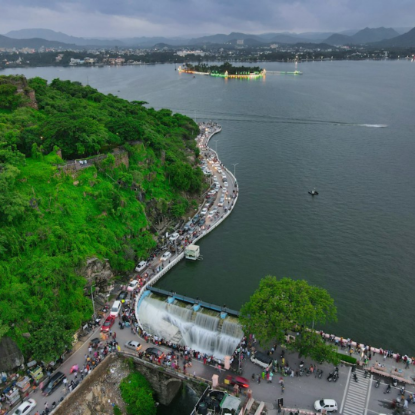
(198, 330)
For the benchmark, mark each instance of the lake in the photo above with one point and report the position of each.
(345, 128)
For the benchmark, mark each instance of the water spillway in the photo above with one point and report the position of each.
(203, 330)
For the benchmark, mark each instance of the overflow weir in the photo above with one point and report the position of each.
(204, 327)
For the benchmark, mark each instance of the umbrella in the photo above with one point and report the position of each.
(74, 368)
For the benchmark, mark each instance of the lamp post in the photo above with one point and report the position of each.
(93, 304)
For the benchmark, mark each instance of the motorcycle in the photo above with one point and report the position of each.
(355, 377)
(330, 377)
(388, 389)
(377, 384)
(394, 382)
(335, 377)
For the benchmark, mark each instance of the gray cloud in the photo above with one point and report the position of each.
(175, 17)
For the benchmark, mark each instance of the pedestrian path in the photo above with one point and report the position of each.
(356, 395)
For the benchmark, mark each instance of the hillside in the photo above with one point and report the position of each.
(363, 36)
(51, 35)
(54, 214)
(407, 40)
(35, 43)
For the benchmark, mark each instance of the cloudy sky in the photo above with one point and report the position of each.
(125, 18)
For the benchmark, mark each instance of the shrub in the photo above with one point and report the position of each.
(346, 358)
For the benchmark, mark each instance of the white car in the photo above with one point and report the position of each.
(225, 184)
(173, 236)
(219, 170)
(133, 344)
(203, 211)
(329, 405)
(141, 265)
(25, 408)
(132, 285)
(165, 256)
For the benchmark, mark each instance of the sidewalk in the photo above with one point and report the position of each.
(388, 365)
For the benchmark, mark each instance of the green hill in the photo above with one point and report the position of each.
(56, 213)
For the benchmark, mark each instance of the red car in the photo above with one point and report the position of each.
(238, 380)
(108, 323)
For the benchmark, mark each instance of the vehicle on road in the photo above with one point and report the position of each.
(25, 408)
(141, 265)
(188, 226)
(108, 323)
(203, 211)
(133, 344)
(173, 236)
(195, 218)
(165, 256)
(132, 285)
(53, 383)
(261, 359)
(238, 380)
(95, 342)
(115, 308)
(122, 295)
(153, 351)
(328, 405)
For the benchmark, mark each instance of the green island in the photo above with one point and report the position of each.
(226, 70)
(139, 173)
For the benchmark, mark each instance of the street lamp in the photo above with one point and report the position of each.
(93, 304)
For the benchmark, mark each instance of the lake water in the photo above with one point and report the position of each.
(346, 128)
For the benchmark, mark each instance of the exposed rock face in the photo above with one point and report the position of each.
(20, 82)
(11, 356)
(98, 392)
(97, 272)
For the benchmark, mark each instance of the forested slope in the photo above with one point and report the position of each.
(52, 219)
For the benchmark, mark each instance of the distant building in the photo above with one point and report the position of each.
(240, 42)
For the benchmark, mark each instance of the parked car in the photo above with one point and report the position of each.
(195, 218)
(329, 405)
(115, 308)
(141, 265)
(134, 345)
(188, 226)
(122, 295)
(261, 359)
(153, 351)
(108, 323)
(203, 211)
(132, 285)
(25, 408)
(165, 256)
(238, 380)
(53, 383)
(173, 236)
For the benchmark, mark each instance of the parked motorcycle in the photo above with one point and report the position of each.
(377, 384)
(388, 389)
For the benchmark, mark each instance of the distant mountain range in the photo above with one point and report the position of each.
(35, 38)
(35, 43)
(363, 36)
(406, 40)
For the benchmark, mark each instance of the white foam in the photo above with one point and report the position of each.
(373, 125)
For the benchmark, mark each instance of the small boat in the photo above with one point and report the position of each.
(313, 192)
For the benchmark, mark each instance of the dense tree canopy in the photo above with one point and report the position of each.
(52, 219)
(138, 395)
(282, 307)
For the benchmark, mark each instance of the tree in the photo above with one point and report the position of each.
(9, 98)
(280, 307)
(138, 395)
(50, 337)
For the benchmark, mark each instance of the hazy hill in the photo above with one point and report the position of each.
(338, 39)
(407, 40)
(7, 42)
(222, 38)
(374, 35)
(61, 37)
(283, 38)
(363, 36)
